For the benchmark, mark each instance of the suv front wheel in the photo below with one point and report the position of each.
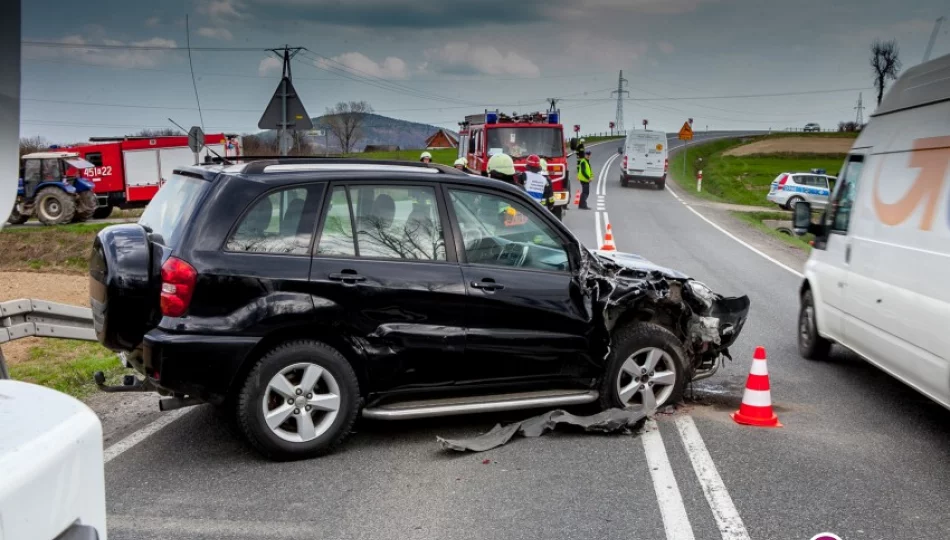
(299, 401)
(647, 367)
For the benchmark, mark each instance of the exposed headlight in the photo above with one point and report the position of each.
(702, 292)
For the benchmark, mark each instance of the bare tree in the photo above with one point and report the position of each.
(255, 145)
(885, 63)
(345, 122)
(163, 132)
(37, 143)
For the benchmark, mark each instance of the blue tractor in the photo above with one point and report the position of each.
(52, 188)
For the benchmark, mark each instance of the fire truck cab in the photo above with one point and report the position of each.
(519, 136)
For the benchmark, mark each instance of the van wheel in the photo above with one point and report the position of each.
(661, 185)
(790, 204)
(647, 367)
(810, 344)
(54, 206)
(299, 401)
(623, 181)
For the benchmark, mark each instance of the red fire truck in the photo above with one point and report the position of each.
(519, 136)
(129, 170)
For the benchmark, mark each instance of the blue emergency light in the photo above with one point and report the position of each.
(553, 118)
(491, 117)
(818, 171)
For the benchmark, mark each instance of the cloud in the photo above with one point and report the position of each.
(666, 47)
(390, 68)
(594, 49)
(223, 9)
(152, 22)
(215, 33)
(270, 65)
(467, 59)
(120, 58)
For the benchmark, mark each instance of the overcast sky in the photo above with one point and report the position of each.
(436, 60)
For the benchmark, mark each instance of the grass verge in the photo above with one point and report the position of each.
(67, 366)
(445, 156)
(742, 179)
(58, 248)
(756, 219)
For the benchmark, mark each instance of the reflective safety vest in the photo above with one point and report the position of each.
(584, 174)
(539, 188)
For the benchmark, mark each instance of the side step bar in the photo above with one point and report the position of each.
(409, 410)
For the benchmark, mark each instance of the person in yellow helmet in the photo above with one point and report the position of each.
(502, 167)
(460, 164)
(426, 158)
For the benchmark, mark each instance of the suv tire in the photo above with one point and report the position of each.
(810, 344)
(634, 349)
(294, 381)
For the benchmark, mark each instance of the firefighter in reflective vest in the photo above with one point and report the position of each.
(536, 184)
(584, 174)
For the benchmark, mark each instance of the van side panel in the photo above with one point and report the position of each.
(899, 287)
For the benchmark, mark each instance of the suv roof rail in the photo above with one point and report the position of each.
(259, 165)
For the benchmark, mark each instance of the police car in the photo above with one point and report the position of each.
(788, 189)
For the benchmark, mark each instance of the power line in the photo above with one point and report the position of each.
(736, 96)
(125, 47)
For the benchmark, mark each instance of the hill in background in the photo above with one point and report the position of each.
(377, 129)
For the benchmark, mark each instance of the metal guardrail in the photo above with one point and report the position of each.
(25, 317)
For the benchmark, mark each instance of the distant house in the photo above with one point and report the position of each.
(381, 148)
(442, 139)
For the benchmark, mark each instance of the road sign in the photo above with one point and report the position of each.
(686, 132)
(577, 128)
(612, 125)
(645, 123)
(297, 117)
(196, 139)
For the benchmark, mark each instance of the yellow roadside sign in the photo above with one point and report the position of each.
(686, 132)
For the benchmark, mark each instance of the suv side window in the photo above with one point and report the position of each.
(398, 222)
(280, 222)
(839, 215)
(502, 232)
(336, 238)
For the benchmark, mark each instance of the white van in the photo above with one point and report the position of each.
(644, 158)
(878, 280)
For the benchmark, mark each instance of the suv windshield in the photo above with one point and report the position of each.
(172, 205)
(522, 142)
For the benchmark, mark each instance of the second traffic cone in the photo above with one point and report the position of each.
(577, 198)
(756, 407)
(608, 240)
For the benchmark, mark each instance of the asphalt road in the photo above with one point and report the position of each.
(859, 455)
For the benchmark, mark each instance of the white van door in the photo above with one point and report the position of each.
(831, 258)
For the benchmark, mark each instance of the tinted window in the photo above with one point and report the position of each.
(95, 158)
(172, 206)
(336, 237)
(395, 222)
(281, 222)
(521, 142)
(845, 190)
(502, 232)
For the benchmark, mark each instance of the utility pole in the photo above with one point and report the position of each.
(553, 102)
(286, 54)
(859, 117)
(620, 95)
(933, 37)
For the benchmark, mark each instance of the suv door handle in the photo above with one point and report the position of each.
(347, 276)
(487, 285)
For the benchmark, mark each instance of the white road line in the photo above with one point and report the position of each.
(606, 220)
(675, 520)
(727, 517)
(600, 237)
(118, 448)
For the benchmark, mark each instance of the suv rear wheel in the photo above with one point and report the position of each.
(299, 401)
(647, 366)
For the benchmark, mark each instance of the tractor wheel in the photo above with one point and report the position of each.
(86, 204)
(54, 206)
(16, 218)
(102, 212)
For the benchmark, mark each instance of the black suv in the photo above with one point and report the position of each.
(301, 293)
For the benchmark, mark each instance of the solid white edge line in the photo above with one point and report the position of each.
(724, 511)
(600, 238)
(672, 510)
(136, 437)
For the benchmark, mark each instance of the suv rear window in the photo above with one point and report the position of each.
(172, 206)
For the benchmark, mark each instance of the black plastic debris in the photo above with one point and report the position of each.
(609, 421)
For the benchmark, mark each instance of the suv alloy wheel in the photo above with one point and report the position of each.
(647, 366)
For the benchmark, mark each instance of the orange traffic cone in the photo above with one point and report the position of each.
(756, 407)
(577, 198)
(608, 240)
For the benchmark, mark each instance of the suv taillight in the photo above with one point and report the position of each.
(666, 165)
(781, 182)
(178, 284)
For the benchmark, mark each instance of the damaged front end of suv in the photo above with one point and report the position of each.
(625, 288)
